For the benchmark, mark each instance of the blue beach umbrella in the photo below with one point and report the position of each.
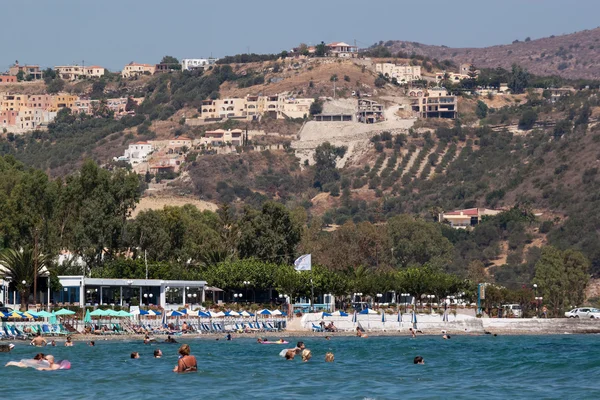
(399, 316)
(175, 313)
(414, 320)
(144, 312)
(325, 314)
(203, 314)
(265, 312)
(354, 317)
(339, 313)
(383, 316)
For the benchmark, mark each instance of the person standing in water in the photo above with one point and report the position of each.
(187, 362)
(38, 341)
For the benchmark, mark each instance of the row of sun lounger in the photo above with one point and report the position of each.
(18, 332)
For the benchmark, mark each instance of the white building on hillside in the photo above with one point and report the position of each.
(138, 152)
(190, 64)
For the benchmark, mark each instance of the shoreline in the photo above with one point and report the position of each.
(303, 334)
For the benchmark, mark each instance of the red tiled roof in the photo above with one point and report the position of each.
(468, 211)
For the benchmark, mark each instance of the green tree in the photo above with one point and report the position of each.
(528, 119)
(20, 76)
(171, 62)
(415, 242)
(325, 157)
(518, 80)
(316, 107)
(55, 85)
(562, 278)
(321, 49)
(481, 110)
(270, 234)
(23, 266)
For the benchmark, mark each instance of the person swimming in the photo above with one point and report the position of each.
(27, 363)
(229, 336)
(329, 357)
(91, 343)
(419, 360)
(157, 353)
(134, 355)
(306, 355)
(299, 347)
(169, 339)
(290, 354)
(69, 342)
(52, 366)
(53, 343)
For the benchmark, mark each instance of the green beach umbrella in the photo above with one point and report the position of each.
(44, 314)
(124, 313)
(98, 313)
(112, 313)
(87, 319)
(64, 311)
(52, 318)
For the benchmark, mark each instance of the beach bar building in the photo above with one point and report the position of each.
(167, 294)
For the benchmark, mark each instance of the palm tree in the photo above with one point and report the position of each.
(19, 266)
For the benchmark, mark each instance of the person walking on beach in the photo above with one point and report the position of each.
(187, 362)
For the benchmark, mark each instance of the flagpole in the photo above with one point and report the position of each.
(312, 291)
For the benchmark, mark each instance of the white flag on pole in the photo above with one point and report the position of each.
(303, 263)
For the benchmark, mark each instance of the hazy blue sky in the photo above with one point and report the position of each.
(112, 33)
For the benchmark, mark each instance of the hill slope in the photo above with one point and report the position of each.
(575, 55)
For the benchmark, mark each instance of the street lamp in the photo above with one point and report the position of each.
(148, 297)
(359, 295)
(237, 296)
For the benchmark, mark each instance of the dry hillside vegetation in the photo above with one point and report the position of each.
(575, 55)
(297, 76)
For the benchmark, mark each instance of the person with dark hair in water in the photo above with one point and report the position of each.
(419, 360)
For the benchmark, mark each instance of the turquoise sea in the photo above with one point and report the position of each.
(465, 367)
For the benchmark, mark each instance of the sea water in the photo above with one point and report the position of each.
(464, 367)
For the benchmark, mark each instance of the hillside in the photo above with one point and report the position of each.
(575, 55)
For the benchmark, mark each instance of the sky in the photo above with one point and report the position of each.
(112, 33)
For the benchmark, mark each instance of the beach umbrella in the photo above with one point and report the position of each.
(64, 311)
(368, 311)
(98, 313)
(339, 314)
(414, 320)
(264, 312)
(154, 312)
(219, 314)
(277, 312)
(354, 318)
(14, 315)
(143, 312)
(124, 313)
(112, 313)
(325, 314)
(29, 314)
(399, 316)
(383, 316)
(203, 314)
(176, 313)
(232, 314)
(52, 318)
(87, 319)
(246, 314)
(44, 314)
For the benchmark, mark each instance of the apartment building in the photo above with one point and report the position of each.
(221, 137)
(402, 73)
(135, 69)
(62, 100)
(278, 106)
(74, 72)
(436, 103)
(190, 64)
(138, 152)
(30, 72)
(369, 111)
(463, 219)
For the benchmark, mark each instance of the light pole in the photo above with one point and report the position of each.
(538, 301)
(148, 298)
(246, 284)
(237, 296)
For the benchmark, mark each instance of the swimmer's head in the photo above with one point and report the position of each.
(300, 345)
(135, 354)
(329, 357)
(419, 360)
(306, 355)
(39, 356)
(50, 359)
(184, 350)
(157, 353)
(290, 354)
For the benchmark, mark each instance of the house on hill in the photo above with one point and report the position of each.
(342, 50)
(135, 69)
(463, 219)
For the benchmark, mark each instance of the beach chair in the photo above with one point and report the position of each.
(316, 328)
(8, 333)
(46, 330)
